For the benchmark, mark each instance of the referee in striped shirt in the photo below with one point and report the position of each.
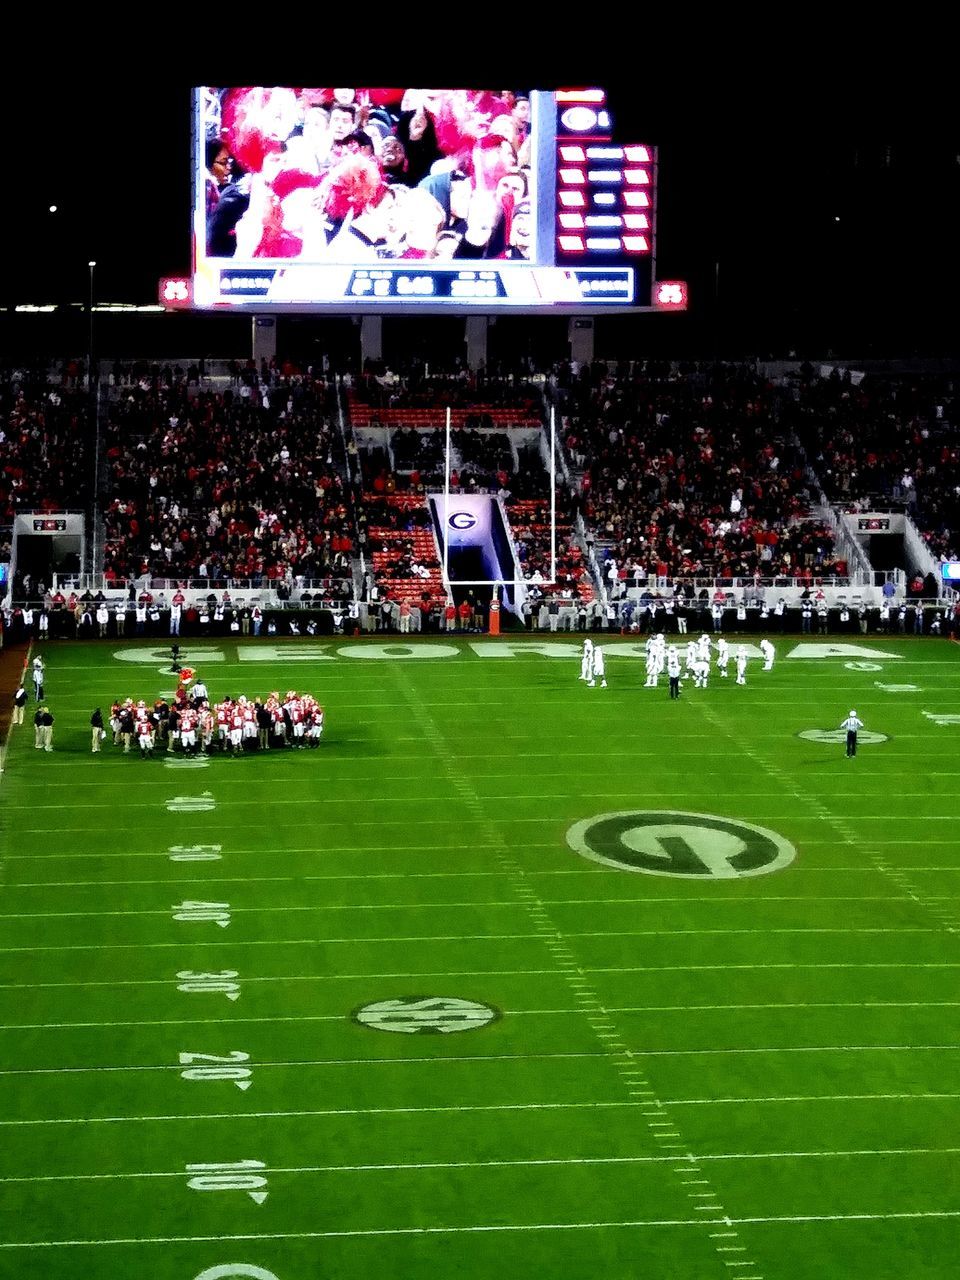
(852, 724)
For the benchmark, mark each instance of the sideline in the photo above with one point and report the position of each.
(6, 713)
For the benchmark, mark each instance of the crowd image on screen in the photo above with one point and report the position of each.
(357, 175)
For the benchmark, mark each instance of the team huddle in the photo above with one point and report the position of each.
(193, 724)
(695, 664)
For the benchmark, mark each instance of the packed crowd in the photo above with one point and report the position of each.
(688, 477)
(478, 394)
(219, 485)
(679, 473)
(882, 439)
(44, 429)
(192, 724)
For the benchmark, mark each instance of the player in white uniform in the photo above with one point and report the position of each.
(598, 671)
(723, 656)
(586, 659)
(691, 656)
(660, 651)
(649, 662)
(701, 671)
(741, 665)
(769, 653)
(703, 646)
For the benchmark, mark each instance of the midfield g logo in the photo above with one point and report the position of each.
(663, 842)
(462, 520)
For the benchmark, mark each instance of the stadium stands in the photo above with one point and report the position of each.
(495, 448)
(881, 441)
(44, 461)
(674, 474)
(226, 487)
(693, 477)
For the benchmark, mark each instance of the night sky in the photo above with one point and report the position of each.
(819, 193)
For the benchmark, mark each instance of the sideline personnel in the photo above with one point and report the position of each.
(852, 724)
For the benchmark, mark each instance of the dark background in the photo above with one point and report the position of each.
(809, 185)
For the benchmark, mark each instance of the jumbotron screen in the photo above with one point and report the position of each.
(378, 199)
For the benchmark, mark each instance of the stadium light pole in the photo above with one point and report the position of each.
(94, 410)
(91, 266)
(446, 508)
(553, 494)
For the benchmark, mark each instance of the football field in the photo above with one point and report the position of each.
(510, 977)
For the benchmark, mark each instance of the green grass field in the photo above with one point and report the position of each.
(742, 1065)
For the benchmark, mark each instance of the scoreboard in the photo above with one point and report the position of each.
(418, 200)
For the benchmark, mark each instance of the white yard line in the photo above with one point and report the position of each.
(325, 851)
(455, 937)
(638, 899)
(496, 1228)
(546, 1162)
(319, 825)
(446, 1059)
(507, 973)
(322, 1062)
(628, 790)
(320, 1114)
(507, 1013)
(780, 1099)
(412, 1166)
(234, 1116)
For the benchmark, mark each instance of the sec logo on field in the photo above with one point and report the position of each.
(426, 1015)
(662, 842)
(865, 737)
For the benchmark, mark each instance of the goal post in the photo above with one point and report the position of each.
(457, 515)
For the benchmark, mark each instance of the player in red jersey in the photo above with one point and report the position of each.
(315, 725)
